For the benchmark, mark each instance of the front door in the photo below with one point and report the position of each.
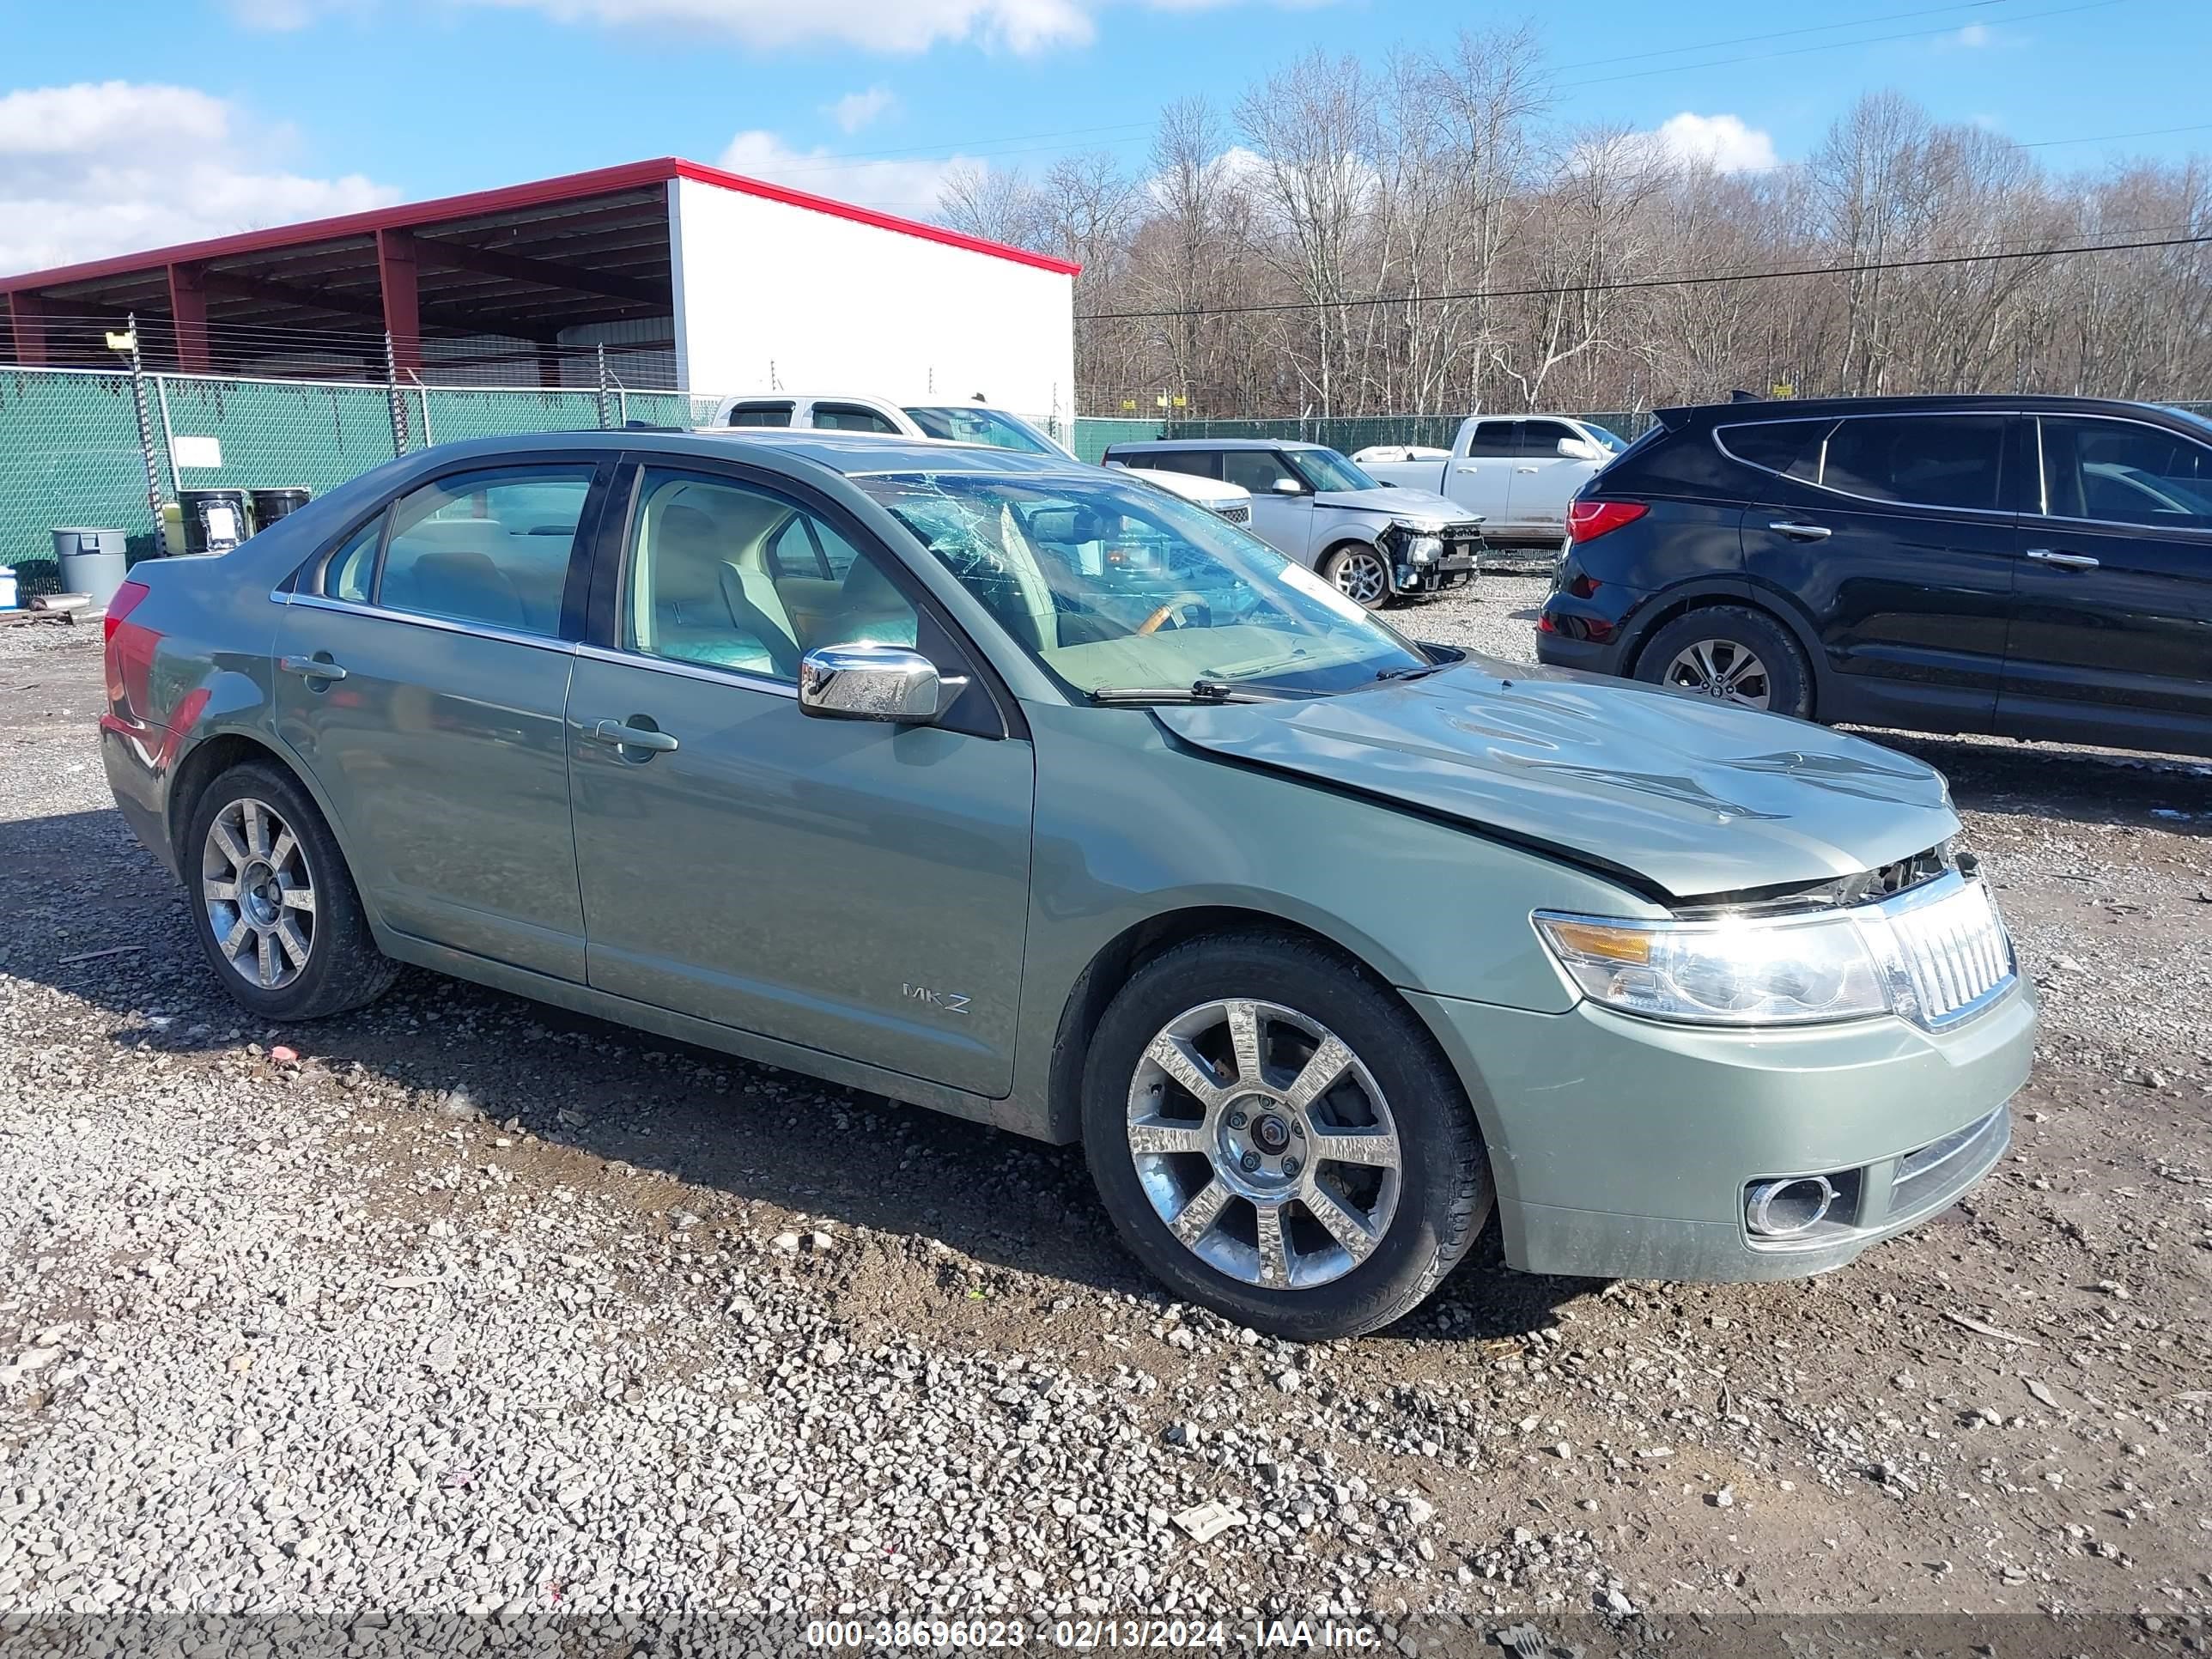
(1544, 480)
(853, 887)
(423, 676)
(1283, 520)
(1894, 536)
(2111, 625)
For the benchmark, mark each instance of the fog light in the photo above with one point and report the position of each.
(1788, 1209)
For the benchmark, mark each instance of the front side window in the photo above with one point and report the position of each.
(1256, 470)
(1109, 582)
(971, 423)
(493, 546)
(1919, 460)
(766, 414)
(727, 576)
(2122, 472)
(1324, 469)
(1542, 438)
(850, 417)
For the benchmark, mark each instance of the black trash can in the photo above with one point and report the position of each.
(215, 520)
(270, 505)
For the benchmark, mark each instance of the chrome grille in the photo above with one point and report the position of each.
(1238, 513)
(1945, 949)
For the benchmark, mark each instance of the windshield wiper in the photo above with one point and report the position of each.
(1412, 672)
(1196, 691)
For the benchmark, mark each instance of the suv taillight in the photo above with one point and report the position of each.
(1587, 520)
(129, 657)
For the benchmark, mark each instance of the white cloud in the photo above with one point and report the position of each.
(908, 187)
(1020, 26)
(1723, 141)
(119, 165)
(856, 110)
(1973, 34)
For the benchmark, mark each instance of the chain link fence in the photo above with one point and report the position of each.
(71, 453)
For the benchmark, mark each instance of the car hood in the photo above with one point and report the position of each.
(1397, 500)
(1692, 796)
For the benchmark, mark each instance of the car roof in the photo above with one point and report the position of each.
(1168, 445)
(852, 454)
(1786, 409)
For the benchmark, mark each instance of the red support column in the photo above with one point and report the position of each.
(402, 317)
(188, 307)
(27, 312)
(549, 366)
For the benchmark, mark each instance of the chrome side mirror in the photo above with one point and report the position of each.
(1579, 449)
(863, 681)
(1288, 487)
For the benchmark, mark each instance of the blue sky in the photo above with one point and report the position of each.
(264, 111)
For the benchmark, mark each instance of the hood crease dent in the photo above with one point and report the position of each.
(1696, 796)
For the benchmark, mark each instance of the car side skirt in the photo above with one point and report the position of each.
(1010, 1113)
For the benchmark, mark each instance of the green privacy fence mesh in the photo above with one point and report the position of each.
(69, 456)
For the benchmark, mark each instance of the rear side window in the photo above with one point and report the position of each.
(1790, 448)
(1925, 460)
(2121, 472)
(1493, 437)
(491, 547)
(349, 573)
(761, 415)
(851, 417)
(1198, 463)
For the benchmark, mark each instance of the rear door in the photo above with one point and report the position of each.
(1543, 480)
(1481, 480)
(1894, 538)
(849, 886)
(424, 680)
(2111, 624)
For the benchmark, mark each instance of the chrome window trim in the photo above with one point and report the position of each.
(690, 671)
(1992, 512)
(442, 624)
(2108, 525)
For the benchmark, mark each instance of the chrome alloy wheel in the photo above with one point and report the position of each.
(1263, 1143)
(1361, 576)
(1722, 668)
(259, 894)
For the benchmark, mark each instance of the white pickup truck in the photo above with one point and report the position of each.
(1519, 471)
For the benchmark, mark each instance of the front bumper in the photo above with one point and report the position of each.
(1624, 1148)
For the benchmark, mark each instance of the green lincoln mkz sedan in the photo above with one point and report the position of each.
(1025, 791)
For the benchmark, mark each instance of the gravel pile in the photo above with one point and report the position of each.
(458, 1306)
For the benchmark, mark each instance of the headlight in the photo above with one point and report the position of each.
(1743, 971)
(1425, 549)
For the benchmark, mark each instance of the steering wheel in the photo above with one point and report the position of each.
(1184, 610)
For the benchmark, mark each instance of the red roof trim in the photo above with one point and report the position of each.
(602, 181)
(761, 188)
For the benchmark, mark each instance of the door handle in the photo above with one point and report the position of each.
(2064, 561)
(616, 735)
(1803, 532)
(1524, 469)
(312, 668)
(1465, 467)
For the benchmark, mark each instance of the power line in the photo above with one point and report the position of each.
(1782, 35)
(2112, 138)
(1698, 281)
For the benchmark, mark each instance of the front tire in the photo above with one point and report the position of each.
(1360, 573)
(1277, 1138)
(272, 902)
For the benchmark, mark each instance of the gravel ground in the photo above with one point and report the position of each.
(468, 1307)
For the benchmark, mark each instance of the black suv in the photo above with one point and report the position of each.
(2028, 566)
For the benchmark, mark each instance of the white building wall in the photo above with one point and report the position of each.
(770, 294)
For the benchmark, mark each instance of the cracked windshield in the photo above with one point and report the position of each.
(1111, 583)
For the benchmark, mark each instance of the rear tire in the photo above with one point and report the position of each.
(1360, 573)
(272, 903)
(1333, 1114)
(1733, 654)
